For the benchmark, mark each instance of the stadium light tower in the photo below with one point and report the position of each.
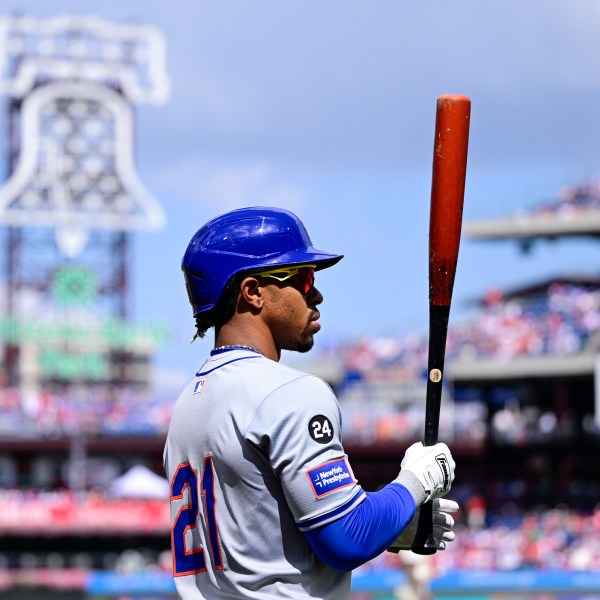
(72, 195)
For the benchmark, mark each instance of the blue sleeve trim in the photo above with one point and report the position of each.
(365, 531)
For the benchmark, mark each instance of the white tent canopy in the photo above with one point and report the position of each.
(139, 482)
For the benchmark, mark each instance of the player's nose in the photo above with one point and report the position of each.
(314, 297)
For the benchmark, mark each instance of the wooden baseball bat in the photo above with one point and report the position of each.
(445, 221)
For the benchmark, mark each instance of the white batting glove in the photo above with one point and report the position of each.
(427, 471)
(443, 525)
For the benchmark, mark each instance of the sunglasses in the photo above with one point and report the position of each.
(302, 276)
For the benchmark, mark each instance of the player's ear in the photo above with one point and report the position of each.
(251, 293)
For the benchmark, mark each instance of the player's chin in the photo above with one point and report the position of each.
(306, 343)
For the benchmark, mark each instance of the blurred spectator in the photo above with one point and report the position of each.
(572, 199)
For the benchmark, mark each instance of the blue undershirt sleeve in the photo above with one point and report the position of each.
(366, 531)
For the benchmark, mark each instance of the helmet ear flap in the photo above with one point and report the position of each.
(193, 288)
(189, 292)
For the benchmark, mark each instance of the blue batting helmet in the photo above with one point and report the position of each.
(245, 240)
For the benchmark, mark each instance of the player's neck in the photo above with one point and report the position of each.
(234, 335)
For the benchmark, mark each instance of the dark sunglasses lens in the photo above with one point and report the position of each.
(304, 280)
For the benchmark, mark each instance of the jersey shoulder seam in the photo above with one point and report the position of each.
(300, 376)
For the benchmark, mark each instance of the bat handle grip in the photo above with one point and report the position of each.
(424, 542)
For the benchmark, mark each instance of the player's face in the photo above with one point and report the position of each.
(292, 316)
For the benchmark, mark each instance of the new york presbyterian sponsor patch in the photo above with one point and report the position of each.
(330, 477)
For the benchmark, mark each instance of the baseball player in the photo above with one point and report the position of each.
(264, 503)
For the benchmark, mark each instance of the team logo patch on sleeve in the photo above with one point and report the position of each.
(330, 477)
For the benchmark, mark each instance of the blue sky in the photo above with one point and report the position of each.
(328, 108)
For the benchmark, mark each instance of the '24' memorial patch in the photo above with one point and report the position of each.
(330, 477)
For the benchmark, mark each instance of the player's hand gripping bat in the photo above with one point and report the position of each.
(447, 195)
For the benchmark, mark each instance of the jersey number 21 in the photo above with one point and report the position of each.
(188, 562)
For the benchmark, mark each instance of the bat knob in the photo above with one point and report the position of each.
(426, 548)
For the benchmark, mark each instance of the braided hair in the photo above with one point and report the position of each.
(222, 312)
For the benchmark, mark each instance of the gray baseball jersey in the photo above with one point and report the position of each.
(254, 457)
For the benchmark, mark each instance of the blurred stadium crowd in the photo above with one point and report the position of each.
(556, 321)
(124, 412)
(550, 540)
(572, 199)
(558, 538)
(376, 372)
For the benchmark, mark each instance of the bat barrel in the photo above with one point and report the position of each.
(447, 194)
